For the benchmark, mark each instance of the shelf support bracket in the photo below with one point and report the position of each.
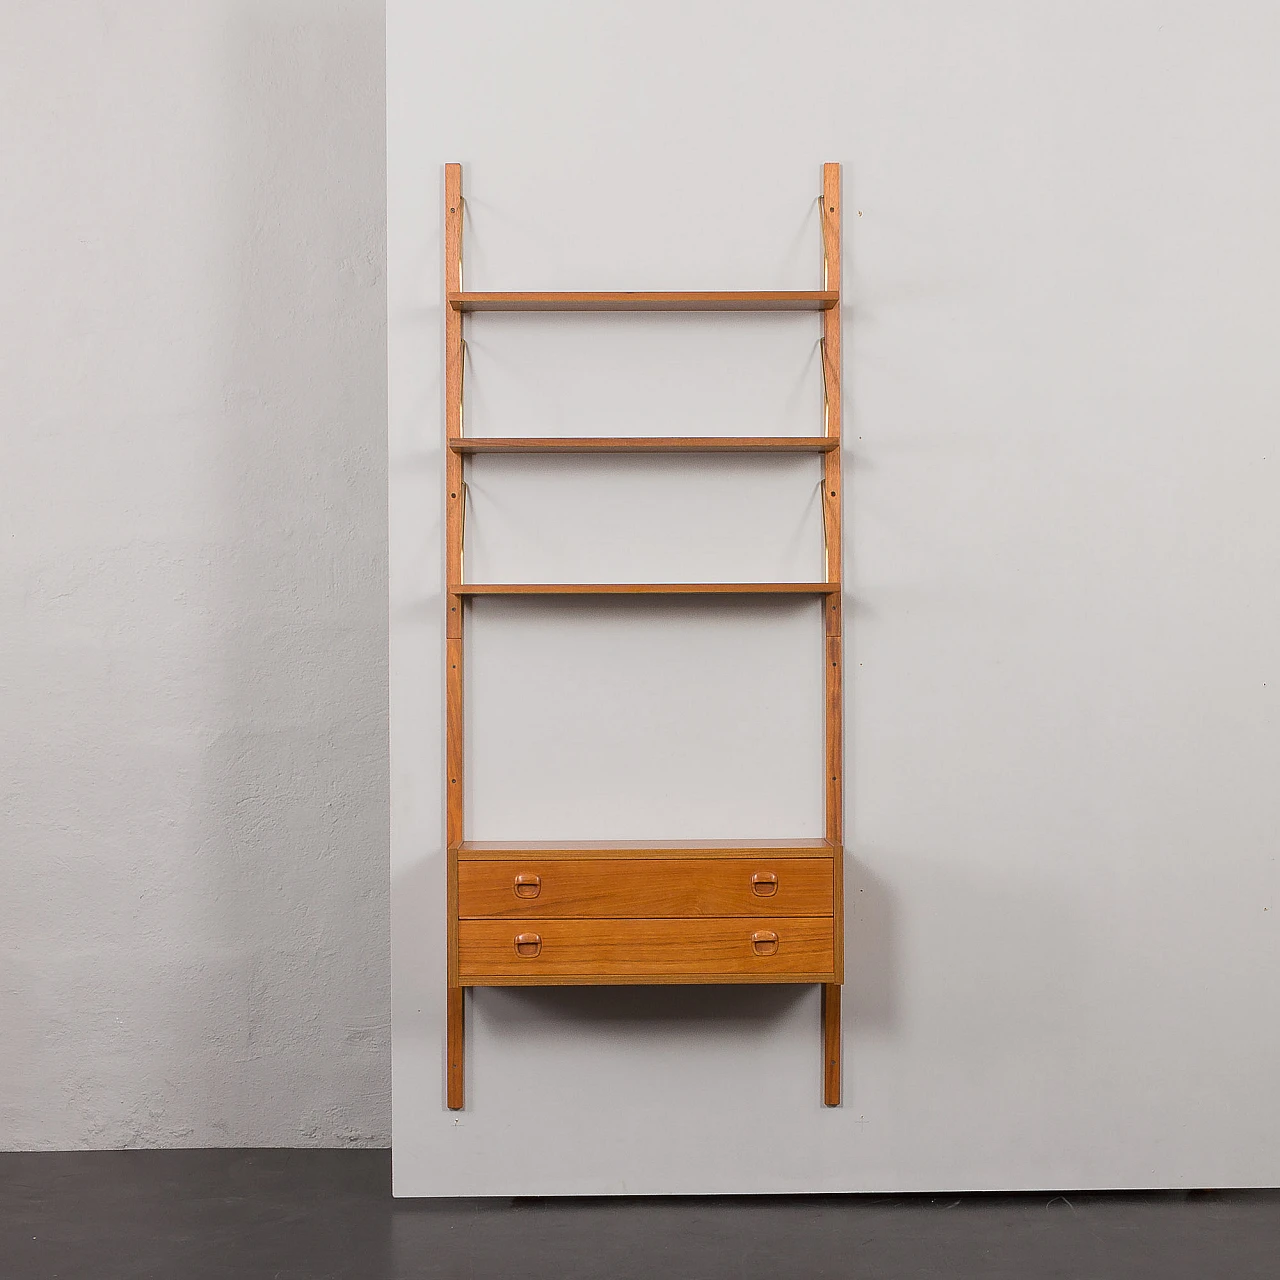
(462, 534)
(822, 506)
(828, 378)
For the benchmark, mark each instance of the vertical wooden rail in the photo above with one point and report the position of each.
(833, 605)
(454, 498)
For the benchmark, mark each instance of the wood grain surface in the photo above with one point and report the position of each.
(699, 300)
(649, 950)
(647, 589)
(643, 444)
(646, 887)
(490, 849)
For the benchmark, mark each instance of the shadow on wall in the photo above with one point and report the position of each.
(868, 997)
(671, 1014)
(289, 1011)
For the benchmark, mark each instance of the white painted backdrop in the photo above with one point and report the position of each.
(1064, 551)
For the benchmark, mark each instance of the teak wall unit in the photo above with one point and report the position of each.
(568, 913)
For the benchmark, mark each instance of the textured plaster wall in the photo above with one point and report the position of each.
(193, 764)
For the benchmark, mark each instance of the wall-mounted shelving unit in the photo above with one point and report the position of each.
(567, 913)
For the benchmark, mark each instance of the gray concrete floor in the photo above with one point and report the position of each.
(316, 1215)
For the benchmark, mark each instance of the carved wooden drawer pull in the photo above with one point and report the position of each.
(764, 942)
(764, 884)
(528, 945)
(528, 886)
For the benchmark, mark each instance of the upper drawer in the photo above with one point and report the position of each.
(646, 887)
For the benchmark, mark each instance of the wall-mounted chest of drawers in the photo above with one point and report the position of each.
(648, 912)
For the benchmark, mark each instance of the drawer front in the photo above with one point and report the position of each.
(494, 952)
(646, 887)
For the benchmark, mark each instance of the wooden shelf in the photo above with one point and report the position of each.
(768, 300)
(498, 850)
(643, 444)
(645, 589)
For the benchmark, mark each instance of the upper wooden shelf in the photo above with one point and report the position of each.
(645, 589)
(643, 444)
(769, 300)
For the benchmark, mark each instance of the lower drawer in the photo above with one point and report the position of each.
(570, 952)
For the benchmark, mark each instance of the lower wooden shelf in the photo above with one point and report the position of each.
(644, 589)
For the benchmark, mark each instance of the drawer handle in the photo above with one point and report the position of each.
(764, 884)
(528, 886)
(764, 942)
(528, 945)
